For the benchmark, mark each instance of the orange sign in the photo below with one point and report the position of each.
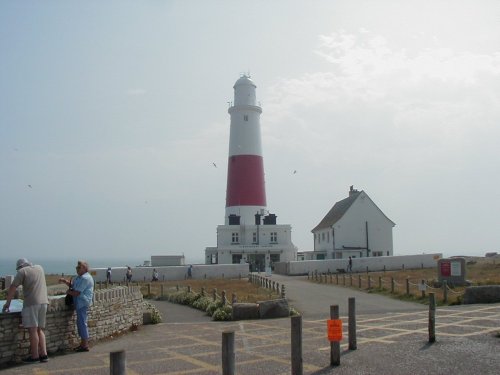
(334, 329)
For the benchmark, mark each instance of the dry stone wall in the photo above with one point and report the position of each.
(114, 310)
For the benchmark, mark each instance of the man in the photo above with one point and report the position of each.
(82, 290)
(35, 304)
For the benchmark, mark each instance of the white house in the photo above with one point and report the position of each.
(354, 227)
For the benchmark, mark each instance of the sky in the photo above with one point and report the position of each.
(112, 114)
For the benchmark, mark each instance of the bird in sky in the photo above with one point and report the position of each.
(30, 186)
(295, 172)
(215, 165)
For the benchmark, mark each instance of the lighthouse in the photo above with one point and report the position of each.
(250, 233)
(245, 193)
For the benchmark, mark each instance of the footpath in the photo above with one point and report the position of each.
(391, 339)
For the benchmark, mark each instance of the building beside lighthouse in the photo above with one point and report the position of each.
(250, 233)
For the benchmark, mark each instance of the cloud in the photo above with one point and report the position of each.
(381, 99)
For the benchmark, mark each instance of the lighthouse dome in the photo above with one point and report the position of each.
(244, 91)
(244, 80)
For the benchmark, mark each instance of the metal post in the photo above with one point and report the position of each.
(369, 282)
(334, 345)
(228, 353)
(352, 324)
(423, 288)
(432, 317)
(296, 334)
(117, 363)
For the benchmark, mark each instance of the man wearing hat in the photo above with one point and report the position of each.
(35, 303)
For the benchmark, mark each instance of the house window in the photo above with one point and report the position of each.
(235, 237)
(328, 237)
(323, 236)
(254, 237)
(245, 117)
(274, 237)
(377, 254)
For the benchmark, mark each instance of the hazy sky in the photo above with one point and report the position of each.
(112, 113)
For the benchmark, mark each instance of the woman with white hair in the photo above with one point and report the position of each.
(82, 290)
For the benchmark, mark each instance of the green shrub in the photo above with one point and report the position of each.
(293, 312)
(223, 313)
(213, 306)
(155, 313)
(202, 303)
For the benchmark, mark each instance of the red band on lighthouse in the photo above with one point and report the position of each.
(245, 181)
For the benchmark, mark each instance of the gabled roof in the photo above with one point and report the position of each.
(337, 211)
(341, 207)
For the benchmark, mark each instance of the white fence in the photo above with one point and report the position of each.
(165, 273)
(358, 264)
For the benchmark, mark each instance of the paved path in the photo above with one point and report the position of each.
(388, 343)
(313, 300)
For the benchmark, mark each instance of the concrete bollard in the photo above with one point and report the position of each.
(432, 318)
(352, 324)
(296, 345)
(283, 294)
(369, 282)
(423, 288)
(380, 282)
(117, 363)
(228, 353)
(189, 288)
(393, 283)
(407, 286)
(214, 294)
(334, 345)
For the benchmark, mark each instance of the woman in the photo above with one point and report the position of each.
(82, 290)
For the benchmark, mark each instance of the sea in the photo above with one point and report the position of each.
(66, 266)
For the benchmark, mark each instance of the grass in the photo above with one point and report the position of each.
(245, 291)
(479, 271)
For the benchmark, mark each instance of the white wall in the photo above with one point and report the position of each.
(350, 230)
(199, 271)
(359, 264)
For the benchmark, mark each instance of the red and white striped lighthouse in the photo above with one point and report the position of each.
(245, 194)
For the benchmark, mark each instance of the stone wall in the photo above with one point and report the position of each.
(114, 310)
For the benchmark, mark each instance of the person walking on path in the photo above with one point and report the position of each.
(108, 275)
(34, 312)
(155, 275)
(82, 291)
(190, 272)
(349, 265)
(129, 274)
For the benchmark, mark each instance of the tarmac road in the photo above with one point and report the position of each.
(313, 300)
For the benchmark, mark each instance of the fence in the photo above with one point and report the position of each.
(405, 287)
